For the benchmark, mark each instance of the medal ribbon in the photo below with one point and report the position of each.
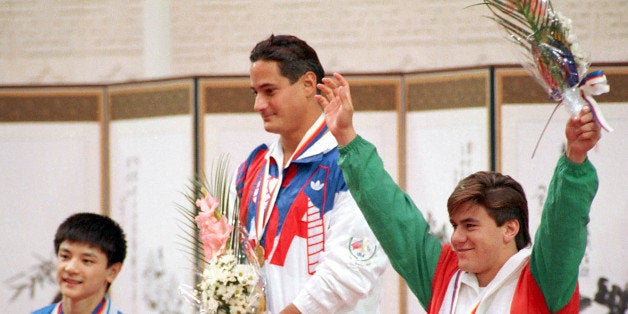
(101, 308)
(263, 211)
(454, 297)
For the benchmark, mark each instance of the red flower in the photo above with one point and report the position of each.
(214, 229)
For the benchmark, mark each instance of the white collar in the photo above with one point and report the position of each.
(513, 266)
(326, 143)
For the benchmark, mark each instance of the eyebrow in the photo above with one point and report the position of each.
(265, 85)
(88, 254)
(470, 219)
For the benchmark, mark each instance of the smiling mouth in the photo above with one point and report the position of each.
(266, 114)
(71, 281)
(463, 250)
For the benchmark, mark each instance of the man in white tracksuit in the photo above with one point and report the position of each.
(320, 255)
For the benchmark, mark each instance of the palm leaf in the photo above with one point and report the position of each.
(533, 25)
(528, 20)
(217, 183)
(220, 188)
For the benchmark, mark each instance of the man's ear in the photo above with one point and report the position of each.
(309, 83)
(113, 271)
(511, 229)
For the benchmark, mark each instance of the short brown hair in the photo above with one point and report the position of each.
(502, 196)
(293, 56)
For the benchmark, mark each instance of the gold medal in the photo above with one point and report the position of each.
(259, 254)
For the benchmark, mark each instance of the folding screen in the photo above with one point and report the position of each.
(129, 150)
(523, 110)
(448, 137)
(50, 139)
(151, 158)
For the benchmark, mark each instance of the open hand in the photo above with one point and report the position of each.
(338, 108)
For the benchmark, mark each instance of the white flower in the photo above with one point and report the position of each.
(228, 284)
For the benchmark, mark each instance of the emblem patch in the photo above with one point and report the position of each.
(316, 185)
(362, 249)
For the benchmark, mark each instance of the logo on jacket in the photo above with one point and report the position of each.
(362, 249)
(316, 185)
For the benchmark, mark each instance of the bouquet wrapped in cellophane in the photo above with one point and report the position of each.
(229, 277)
(551, 53)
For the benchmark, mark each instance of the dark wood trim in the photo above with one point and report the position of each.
(50, 105)
(447, 91)
(151, 100)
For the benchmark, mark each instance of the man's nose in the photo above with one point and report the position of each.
(458, 236)
(71, 265)
(260, 103)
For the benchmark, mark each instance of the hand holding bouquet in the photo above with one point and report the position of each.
(551, 53)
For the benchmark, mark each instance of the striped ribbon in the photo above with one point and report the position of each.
(595, 84)
(456, 294)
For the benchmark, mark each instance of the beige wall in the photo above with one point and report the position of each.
(112, 41)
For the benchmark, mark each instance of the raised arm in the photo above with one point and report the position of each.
(394, 218)
(561, 239)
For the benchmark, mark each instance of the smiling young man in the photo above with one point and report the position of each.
(319, 254)
(490, 265)
(90, 251)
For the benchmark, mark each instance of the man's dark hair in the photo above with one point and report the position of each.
(293, 55)
(502, 196)
(95, 230)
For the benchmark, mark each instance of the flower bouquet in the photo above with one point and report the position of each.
(229, 277)
(551, 53)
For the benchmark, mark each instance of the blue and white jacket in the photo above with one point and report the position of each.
(320, 253)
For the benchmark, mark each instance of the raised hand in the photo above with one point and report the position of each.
(338, 108)
(582, 134)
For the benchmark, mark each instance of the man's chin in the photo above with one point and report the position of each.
(269, 127)
(464, 266)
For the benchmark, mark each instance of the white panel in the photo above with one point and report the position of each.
(48, 172)
(380, 128)
(444, 146)
(151, 165)
(235, 135)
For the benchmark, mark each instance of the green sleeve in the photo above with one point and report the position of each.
(561, 238)
(394, 218)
